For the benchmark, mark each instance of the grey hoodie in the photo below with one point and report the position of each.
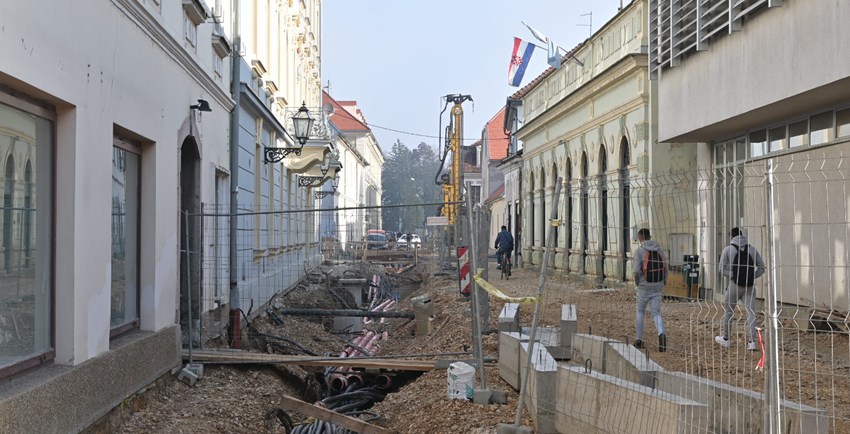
(640, 254)
(731, 250)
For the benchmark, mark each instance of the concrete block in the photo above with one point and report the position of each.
(511, 429)
(541, 388)
(733, 409)
(627, 362)
(569, 324)
(481, 396)
(551, 339)
(590, 347)
(509, 318)
(592, 402)
(498, 397)
(509, 353)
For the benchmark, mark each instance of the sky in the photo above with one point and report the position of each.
(397, 58)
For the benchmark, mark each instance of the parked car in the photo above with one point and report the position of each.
(415, 241)
(376, 242)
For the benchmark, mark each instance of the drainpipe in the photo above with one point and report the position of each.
(234, 330)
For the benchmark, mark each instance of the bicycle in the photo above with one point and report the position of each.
(506, 266)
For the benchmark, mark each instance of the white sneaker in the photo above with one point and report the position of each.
(751, 346)
(722, 341)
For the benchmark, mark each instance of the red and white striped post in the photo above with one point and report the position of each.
(465, 279)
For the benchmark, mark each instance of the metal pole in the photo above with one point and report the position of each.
(550, 241)
(477, 347)
(188, 281)
(233, 268)
(772, 362)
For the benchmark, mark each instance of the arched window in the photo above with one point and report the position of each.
(8, 213)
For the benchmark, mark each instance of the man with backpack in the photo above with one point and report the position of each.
(650, 273)
(742, 264)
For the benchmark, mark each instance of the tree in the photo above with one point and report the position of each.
(408, 180)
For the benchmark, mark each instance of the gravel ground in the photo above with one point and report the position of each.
(816, 366)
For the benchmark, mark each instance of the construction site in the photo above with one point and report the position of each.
(386, 341)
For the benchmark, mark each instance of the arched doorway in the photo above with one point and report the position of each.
(28, 212)
(603, 212)
(8, 214)
(190, 201)
(543, 215)
(625, 206)
(568, 207)
(553, 180)
(531, 215)
(584, 213)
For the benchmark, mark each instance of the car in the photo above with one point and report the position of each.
(415, 241)
(376, 242)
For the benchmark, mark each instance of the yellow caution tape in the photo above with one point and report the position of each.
(492, 290)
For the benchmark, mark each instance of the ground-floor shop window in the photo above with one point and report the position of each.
(26, 269)
(125, 235)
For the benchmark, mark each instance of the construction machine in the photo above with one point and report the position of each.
(452, 182)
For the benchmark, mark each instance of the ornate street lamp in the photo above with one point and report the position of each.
(302, 122)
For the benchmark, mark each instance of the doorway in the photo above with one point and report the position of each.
(190, 202)
(625, 206)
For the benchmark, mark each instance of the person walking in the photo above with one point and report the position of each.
(742, 264)
(504, 245)
(650, 274)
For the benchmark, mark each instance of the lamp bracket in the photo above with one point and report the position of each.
(276, 155)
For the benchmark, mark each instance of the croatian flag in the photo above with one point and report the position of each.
(519, 61)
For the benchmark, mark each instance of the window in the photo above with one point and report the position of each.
(218, 65)
(758, 143)
(842, 123)
(820, 127)
(26, 257)
(126, 162)
(194, 13)
(798, 134)
(776, 136)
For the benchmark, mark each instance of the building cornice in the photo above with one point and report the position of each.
(626, 66)
(154, 29)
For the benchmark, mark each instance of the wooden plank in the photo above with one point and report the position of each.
(244, 357)
(347, 422)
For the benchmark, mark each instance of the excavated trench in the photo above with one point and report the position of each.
(306, 321)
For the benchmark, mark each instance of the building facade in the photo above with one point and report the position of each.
(105, 137)
(782, 101)
(360, 181)
(590, 124)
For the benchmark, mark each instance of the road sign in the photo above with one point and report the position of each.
(437, 221)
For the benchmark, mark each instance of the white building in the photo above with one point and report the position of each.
(753, 83)
(360, 181)
(104, 141)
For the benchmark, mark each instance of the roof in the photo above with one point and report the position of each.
(342, 119)
(497, 139)
(539, 79)
(499, 193)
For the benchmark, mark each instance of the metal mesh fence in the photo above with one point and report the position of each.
(316, 260)
(792, 209)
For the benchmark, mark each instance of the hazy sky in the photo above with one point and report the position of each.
(398, 57)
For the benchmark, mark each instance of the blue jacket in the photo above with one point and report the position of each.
(504, 240)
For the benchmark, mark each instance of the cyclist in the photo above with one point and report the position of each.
(504, 245)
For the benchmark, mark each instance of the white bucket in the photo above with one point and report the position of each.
(461, 380)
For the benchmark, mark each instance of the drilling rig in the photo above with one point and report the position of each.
(452, 182)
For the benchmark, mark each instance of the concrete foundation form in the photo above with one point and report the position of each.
(735, 410)
(591, 402)
(541, 391)
(509, 355)
(509, 318)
